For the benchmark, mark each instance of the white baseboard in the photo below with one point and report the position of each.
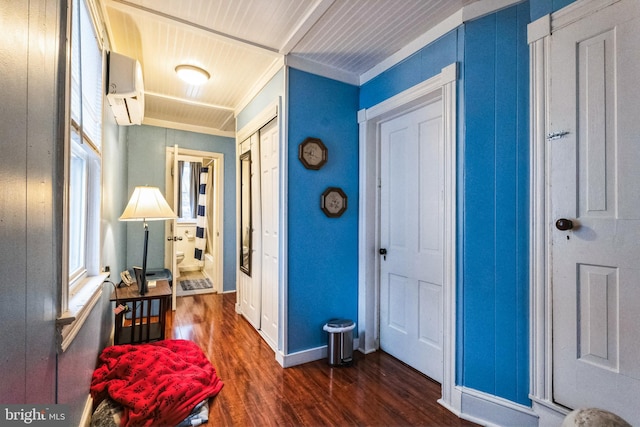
(551, 415)
(85, 421)
(490, 410)
(306, 356)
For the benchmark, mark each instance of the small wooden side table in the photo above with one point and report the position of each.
(144, 321)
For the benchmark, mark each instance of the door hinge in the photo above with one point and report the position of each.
(557, 135)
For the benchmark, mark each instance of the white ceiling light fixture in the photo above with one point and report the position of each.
(192, 74)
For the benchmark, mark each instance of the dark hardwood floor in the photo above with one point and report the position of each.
(376, 390)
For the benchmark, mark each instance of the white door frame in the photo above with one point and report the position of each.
(442, 85)
(540, 311)
(218, 217)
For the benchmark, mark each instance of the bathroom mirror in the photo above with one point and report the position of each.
(245, 213)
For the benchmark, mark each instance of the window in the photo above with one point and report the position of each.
(77, 211)
(186, 213)
(83, 174)
(188, 183)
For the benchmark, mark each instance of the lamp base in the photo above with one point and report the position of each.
(142, 285)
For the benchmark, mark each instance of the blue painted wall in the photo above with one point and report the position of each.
(417, 68)
(539, 8)
(493, 157)
(323, 252)
(146, 166)
(494, 230)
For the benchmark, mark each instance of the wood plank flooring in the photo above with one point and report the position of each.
(377, 390)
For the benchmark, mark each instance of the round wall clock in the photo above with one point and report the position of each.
(333, 202)
(312, 153)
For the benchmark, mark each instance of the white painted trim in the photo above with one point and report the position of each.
(368, 261)
(411, 95)
(539, 29)
(549, 415)
(186, 127)
(449, 126)
(441, 86)
(489, 410)
(467, 13)
(283, 297)
(310, 19)
(539, 294)
(442, 28)
(188, 101)
(87, 412)
(576, 11)
(306, 356)
(294, 61)
(68, 325)
(267, 114)
(301, 357)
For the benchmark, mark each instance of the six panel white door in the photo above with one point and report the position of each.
(411, 227)
(595, 173)
(269, 195)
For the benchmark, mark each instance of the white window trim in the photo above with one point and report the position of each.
(77, 301)
(80, 305)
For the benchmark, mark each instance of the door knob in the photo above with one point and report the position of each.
(383, 252)
(564, 224)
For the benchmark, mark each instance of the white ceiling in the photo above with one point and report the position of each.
(242, 43)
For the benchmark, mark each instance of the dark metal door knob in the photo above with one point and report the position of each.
(564, 224)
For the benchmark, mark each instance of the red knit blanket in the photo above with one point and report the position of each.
(158, 383)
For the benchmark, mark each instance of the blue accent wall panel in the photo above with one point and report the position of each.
(322, 251)
(495, 219)
(540, 8)
(479, 210)
(417, 68)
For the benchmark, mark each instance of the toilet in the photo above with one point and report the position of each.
(179, 256)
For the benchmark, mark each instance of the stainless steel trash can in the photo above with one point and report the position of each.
(340, 345)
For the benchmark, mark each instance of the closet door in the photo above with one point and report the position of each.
(270, 201)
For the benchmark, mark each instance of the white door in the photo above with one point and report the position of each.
(170, 230)
(595, 174)
(270, 201)
(411, 227)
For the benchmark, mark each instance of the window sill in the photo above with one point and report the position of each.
(187, 221)
(80, 305)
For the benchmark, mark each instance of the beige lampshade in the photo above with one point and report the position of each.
(147, 204)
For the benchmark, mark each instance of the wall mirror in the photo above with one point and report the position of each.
(245, 213)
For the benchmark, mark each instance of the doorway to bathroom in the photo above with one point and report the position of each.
(194, 189)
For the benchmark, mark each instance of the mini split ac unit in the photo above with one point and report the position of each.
(125, 91)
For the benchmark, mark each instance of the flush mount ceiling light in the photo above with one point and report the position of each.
(192, 74)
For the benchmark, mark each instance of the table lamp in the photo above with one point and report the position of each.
(146, 204)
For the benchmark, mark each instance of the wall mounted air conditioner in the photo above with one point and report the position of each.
(125, 89)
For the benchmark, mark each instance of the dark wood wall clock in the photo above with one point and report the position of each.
(312, 153)
(333, 202)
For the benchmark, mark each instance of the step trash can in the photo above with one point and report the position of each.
(340, 346)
